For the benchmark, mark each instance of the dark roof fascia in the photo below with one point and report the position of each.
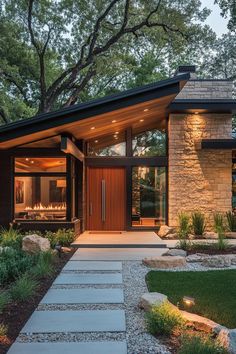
(206, 105)
(222, 144)
(92, 108)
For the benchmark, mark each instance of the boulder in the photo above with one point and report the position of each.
(227, 338)
(173, 236)
(210, 235)
(165, 230)
(219, 261)
(35, 243)
(230, 234)
(149, 299)
(176, 252)
(201, 323)
(165, 262)
(196, 257)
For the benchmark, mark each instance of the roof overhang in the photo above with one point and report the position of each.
(218, 144)
(203, 106)
(63, 121)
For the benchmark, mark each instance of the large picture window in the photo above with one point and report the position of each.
(149, 143)
(148, 196)
(40, 189)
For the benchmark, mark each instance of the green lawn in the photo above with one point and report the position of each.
(214, 292)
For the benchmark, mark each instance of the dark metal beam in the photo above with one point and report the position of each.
(222, 144)
(68, 147)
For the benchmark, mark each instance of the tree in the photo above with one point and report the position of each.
(228, 8)
(56, 53)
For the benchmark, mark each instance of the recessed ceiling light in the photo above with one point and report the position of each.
(146, 109)
(113, 121)
(116, 132)
(141, 120)
(27, 159)
(196, 112)
(31, 161)
(96, 141)
(115, 136)
(92, 128)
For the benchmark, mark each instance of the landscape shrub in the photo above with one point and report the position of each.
(164, 319)
(200, 345)
(23, 288)
(10, 238)
(63, 237)
(198, 223)
(219, 224)
(3, 329)
(231, 221)
(44, 265)
(222, 244)
(4, 300)
(184, 230)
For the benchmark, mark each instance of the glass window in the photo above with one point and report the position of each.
(149, 143)
(40, 164)
(148, 196)
(111, 145)
(40, 198)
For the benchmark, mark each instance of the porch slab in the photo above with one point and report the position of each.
(76, 321)
(67, 278)
(72, 348)
(136, 239)
(118, 254)
(93, 265)
(84, 296)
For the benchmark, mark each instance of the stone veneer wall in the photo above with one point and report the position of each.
(206, 89)
(198, 179)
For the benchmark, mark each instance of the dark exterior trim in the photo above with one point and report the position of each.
(92, 108)
(68, 147)
(222, 144)
(202, 105)
(161, 161)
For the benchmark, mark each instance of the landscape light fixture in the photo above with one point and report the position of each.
(190, 301)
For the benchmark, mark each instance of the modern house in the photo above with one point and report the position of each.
(132, 160)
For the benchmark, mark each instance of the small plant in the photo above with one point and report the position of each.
(164, 319)
(3, 330)
(222, 244)
(23, 288)
(10, 238)
(200, 345)
(184, 230)
(4, 300)
(63, 237)
(219, 224)
(44, 265)
(231, 221)
(198, 222)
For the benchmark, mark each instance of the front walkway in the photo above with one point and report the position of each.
(91, 308)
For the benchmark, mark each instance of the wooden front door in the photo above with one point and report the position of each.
(106, 199)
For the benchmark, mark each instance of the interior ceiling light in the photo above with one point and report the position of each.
(96, 141)
(196, 112)
(116, 132)
(146, 109)
(92, 128)
(115, 136)
(141, 120)
(113, 121)
(27, 159)
(31, 161)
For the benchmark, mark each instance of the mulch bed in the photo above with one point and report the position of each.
(212, 251)
(15, 315)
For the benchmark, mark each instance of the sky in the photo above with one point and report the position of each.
(215, 20)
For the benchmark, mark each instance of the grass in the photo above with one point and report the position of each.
(214, 292)
(23, 288)
(200, 345)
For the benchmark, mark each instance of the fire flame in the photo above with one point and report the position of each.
(48, 207)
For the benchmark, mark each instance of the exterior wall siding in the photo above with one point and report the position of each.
(198, 179)
(207, 89)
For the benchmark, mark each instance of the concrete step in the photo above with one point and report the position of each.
(79, 279)
(93, 265)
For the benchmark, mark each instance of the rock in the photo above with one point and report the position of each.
(149, 299)
(210, 235)
(165, 262)
(176, 252)
(165, 230)
(35, 243)
(230, 234)
(201, 323)
(191, 236)
(227, 338)
(196, 257)
(217, 261)
(65, 249)
(172, 236)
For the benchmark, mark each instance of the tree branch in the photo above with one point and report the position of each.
(3, 116)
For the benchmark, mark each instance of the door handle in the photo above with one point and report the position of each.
(90, 209)
(103, 200)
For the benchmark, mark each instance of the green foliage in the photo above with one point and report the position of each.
(23, 288)
(14, 263)
(3, 329)
(196, 344)
(219, 224)
(63, 237)
(231, 220)
(184, 230)
(11, 238)
(44, 265)
(222, 244)
(198, 223)
(4, 300)
(163, 319)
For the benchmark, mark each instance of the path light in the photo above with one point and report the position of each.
(190, 301)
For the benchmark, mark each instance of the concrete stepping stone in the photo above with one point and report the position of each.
(84, 296)
(74, 278)
(76, 321)
(71, 348)
(92, 265)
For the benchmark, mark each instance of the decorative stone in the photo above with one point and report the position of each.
(196, 257)
(217, 261)
(227, 338)
(176, 252)
(191, 236)
(201, 323)
(149, 299)
(35, 243)
(165, 262)
(173, 236)
(230, 234)
(165, 230)
(210, 235)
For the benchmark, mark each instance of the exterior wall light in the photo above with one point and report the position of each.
(196, 112)
(190, 301)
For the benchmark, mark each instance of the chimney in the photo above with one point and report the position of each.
(183, 69)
